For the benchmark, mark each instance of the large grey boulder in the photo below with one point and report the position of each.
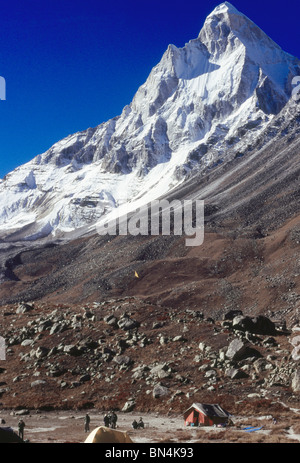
(238, 350)
(126, 323)
(23, 308)
(128, 406)
(243, 323)
(160, 391)
(258, 325)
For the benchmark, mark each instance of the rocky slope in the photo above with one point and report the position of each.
(131, 355)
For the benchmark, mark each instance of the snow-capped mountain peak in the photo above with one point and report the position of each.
(201, 105)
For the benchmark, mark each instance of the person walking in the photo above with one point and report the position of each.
(87, 423)
(21, 426)
(114, 420)
(106, 420)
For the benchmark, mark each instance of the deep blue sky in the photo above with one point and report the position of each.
(72, 64)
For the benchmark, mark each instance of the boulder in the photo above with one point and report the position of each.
(296, 353)
(234, 373)
(263, 325)
(257, 325)
(41, 352)
(85, 378)
(160, 391)
(22, 412)
(123, 360)
(23, 308)
(111, 320)
(242, 323)
(38, 382)
(160, 371)
(238, 350)
(126, 323)
(71, 349)
(261, 365)
(128, 406)
(296, 381)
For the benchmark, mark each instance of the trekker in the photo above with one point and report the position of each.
(87, 423)
(135, 424)
(141, 423)
(113, 420)
(106, 420)
(21, 426)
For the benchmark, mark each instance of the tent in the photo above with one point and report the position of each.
(205, 415)
(103, 435)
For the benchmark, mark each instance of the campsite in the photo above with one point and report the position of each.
(68, 427)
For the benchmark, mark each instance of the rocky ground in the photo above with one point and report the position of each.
(141, 358)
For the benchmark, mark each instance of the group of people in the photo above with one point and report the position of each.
(110, 420)
(138, 424)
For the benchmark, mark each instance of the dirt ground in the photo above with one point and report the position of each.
(68, 427)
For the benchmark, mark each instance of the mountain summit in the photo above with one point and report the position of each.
(202, 105)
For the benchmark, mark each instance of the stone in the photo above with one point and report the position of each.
(22, 412)
(27, 342)
(296, 381)
(242, 323)
(296, 353)
(160, 391)
(41, 352)
(127, 323)
(111, 320)
(128, 406)
(71, 349)
(160, 371)
(238, 350)
(258, 325)
(122, 360)
(178, 338)
(295, 341)
(23, 308)
(234, 373)
(38, 382)
(85, 378)
(263, 325)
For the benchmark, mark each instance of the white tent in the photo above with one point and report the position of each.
(103, 435)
